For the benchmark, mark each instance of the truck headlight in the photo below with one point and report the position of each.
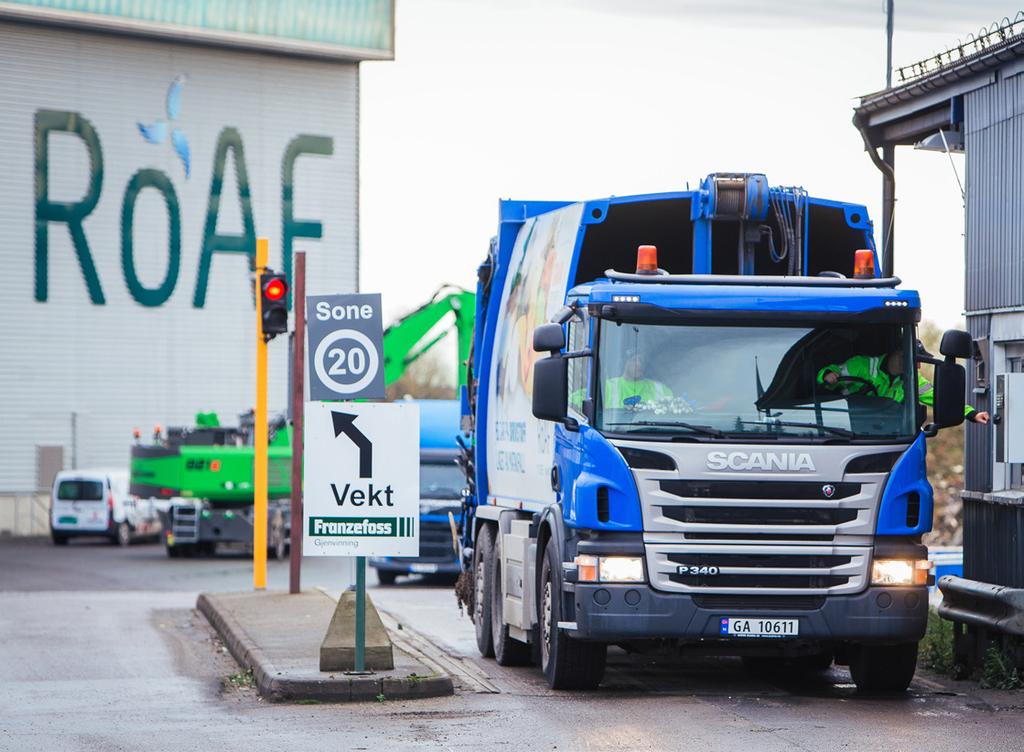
(900, 571)
(609, 568)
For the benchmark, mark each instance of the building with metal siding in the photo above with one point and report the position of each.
(970, 98)
(142, 154)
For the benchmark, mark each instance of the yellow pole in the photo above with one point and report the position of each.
(259, 465)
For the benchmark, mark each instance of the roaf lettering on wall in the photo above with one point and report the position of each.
(137, 175)
(73, 214)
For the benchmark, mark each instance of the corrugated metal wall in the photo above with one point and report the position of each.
(994, 139)
(993, 533)
(994, 133)
(121, 364)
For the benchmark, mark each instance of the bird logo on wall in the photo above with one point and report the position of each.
(156, 133)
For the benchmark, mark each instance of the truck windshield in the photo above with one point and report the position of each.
(441, 481)
(725, 382)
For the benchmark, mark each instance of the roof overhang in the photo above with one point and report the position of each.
(910, 111)
(372, 40)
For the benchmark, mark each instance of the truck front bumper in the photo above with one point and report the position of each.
(613, 613)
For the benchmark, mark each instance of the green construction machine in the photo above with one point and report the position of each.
(202, 475)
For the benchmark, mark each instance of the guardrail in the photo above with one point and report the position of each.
(982, 605)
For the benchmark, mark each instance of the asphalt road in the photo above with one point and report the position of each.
(100, 649)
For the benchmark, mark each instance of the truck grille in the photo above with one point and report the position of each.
(783, 510)
(767, 569)
(764, 531)
(436, 541)
(760, 515)
(435, 544)
(758, 489)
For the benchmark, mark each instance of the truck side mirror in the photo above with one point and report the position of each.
(548, 338)
(956, 344)
(551, 387)
(950, 386)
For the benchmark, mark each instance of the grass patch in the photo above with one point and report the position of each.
(239, 680)
(999, 671)
(307, 701)
(381, 697)
(936, 650)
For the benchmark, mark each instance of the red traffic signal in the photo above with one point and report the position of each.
(273, 304)
(275, 288)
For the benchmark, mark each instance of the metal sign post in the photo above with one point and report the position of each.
(361, 460)
(298, 400)
(360, 659)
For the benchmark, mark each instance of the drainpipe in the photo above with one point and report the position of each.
(885, 165)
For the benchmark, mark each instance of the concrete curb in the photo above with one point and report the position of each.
(275, 686)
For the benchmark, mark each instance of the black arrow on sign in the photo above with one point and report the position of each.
(344, 423)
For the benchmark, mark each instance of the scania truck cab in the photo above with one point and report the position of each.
(696, 421)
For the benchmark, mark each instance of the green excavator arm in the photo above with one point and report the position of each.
(409, 337)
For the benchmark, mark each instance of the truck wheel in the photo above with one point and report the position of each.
(883, 668)
(386, 578)
(58, 539)
(567, 663)
(508, 651)
(122, 534)
(482, 590)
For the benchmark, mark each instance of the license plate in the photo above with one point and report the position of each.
(67, 520)
(423, 568)
(758, 627)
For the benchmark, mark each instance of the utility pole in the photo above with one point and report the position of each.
(260, 433)
(889, 157)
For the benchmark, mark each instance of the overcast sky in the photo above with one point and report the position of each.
(578, 99)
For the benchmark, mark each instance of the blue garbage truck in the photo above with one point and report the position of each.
(441, 486)
(697, 423)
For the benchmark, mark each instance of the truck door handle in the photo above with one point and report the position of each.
(556, 480)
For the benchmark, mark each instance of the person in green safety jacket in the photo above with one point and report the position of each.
(631, 388)
(882, 376)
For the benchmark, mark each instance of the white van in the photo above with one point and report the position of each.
(97, 503)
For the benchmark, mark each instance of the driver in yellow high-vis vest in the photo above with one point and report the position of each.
(882, 376)
(631, 387)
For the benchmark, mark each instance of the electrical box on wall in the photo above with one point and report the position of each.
(1009, 411)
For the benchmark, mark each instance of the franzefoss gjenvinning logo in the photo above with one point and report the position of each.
(375, 527)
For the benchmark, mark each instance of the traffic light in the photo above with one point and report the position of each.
(274, 304)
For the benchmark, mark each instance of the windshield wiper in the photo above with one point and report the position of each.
(705, 430)
(836, 431)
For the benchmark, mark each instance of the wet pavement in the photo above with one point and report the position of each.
(101, 649)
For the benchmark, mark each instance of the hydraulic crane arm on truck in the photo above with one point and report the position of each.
(682, 467)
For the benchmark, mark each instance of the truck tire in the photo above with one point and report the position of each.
(386, 578)
(482, 590)
(58, 539)
(883, 668)
(508, 651)
(567, 663)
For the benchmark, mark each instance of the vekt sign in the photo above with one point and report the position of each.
(73, 213)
